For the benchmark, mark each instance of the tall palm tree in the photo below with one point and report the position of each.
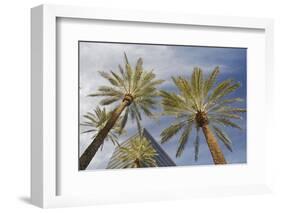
(201, 104)
(134, 92)
(138, 154)
(96, 121)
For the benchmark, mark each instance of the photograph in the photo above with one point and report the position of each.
(147, 105)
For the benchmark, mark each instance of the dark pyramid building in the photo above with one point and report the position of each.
(162, 159)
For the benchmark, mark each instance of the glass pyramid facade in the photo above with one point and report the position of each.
(162, 158)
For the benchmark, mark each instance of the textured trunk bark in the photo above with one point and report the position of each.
(90, 152)
(213, 145)
(138, 163)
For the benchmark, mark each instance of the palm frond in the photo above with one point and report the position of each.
(221, 104)
(219, 90)
(230, 101)
(139, 126)
(107, 101)
(185, 89)
(138, 73)
(234, 110)
(197, 81)
(128, 73)
(210, 81)
(196, 145)
(91, 130)
(226, 122)
(223, 89)
(108, 77)
(174, 104)
(170, 131)
(124, 121)
(223, 137)
(227, 109)
(120, 80)
(226, 115)
(146, 110)
(184, 138)
(135, 107)
(91, 118)
(107, 91)
(145, 88)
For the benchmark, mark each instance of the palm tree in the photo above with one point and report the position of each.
(134, 92)
(138, 154)
(96, 121)
(200, 104)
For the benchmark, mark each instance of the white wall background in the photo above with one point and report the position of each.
(15, 104)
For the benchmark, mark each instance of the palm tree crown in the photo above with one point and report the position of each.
(135, 91)
(134, 85)
(201, 103)
(138, 154)
(96, 121)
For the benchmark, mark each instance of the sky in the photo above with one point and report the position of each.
(166, 61)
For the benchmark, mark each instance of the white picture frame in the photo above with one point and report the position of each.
(44, 154)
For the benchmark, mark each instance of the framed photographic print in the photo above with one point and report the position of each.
(132, 106)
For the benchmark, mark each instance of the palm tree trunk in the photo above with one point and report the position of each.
(137, 162)
(90, 152)
(213, 145)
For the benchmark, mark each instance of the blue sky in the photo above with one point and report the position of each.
(166, 61)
